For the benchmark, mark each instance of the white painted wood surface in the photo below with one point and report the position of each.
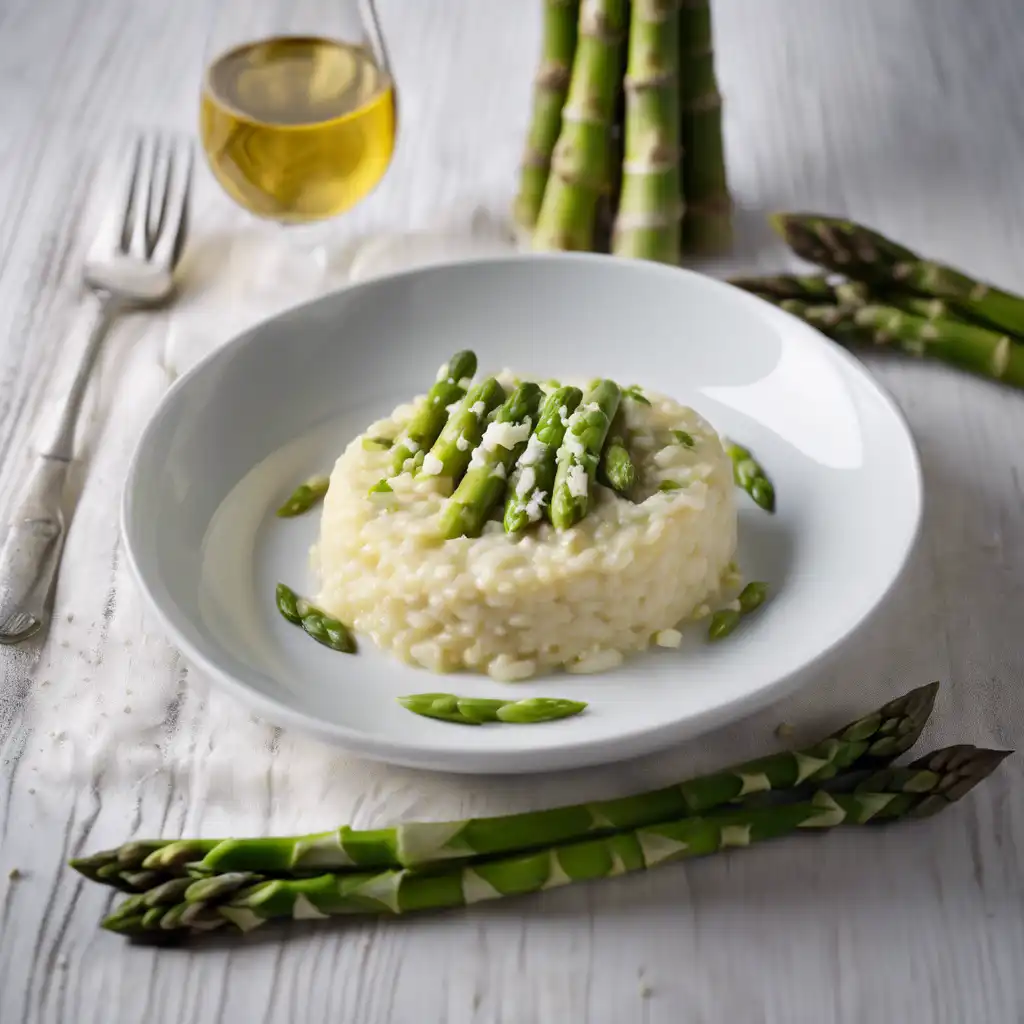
(906, 114)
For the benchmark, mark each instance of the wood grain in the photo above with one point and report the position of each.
(907, 114)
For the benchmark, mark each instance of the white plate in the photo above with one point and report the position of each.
(233, 436)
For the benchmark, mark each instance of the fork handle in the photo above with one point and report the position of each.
(31, 551)
(30, 555)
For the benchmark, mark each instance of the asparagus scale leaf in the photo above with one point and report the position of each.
(923, 788)
(869, 742)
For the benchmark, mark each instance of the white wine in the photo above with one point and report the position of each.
(298, 128)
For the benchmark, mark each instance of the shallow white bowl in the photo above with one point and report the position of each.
(233, 436)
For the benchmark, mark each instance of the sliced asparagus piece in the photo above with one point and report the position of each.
(868, 742)
(749, 475)
(723, 622)
(305, 496)
(550, 86)
(924, 788)
(486, 479)
(531, 484)
(427, 422)
(580, 451)
(323, 628)
(616, 469)
(776, 287)
(454, 446)
(477, 710)
(647, 225)
(865, 255)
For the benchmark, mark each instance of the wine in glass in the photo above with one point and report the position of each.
(297, 114)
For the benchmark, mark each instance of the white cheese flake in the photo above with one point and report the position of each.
(499, 470)
(411, 446)
(462, 443)
(526, 482)
(668, 638)
(576, 481)
(451, 408)
(432, 465)
(535, 506)
(478, 459)
(504, 435)
(478, 408)
(442, 372)
(535, 451)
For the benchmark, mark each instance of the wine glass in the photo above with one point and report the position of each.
(297, 117)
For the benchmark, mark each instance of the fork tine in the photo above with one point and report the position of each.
(163, 155)
(138, 205)
(174, 228)
(110, 237)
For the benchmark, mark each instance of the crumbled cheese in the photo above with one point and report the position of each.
(500, 471)
(451, 408)
(411, 446)
(573, 444)
(442, 372)
(462, 443)
(535, 451)
(505, 435)
(526, 482)
(576, 480)
(478, 459)
(478, 408)
(432, 465)
(535, 506)
(465, 383)
(668, 638)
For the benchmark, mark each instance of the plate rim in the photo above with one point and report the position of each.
(579, 754)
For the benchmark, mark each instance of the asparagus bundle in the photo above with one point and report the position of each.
(853, 314)
(650, 204)
(550, 87)
(581, 169)
(707, 222)
(868, 742)
(246, 900)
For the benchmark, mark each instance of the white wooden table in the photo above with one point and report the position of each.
(906, 114)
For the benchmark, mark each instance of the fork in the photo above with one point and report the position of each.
(129, 266)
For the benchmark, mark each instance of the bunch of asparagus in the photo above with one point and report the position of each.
(535, 454)
(626, 132)
(192, 886)
(876, 291)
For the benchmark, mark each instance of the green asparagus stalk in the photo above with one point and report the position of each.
(865, 255)
(813, 288)
(323, 628)
(750, 475)
(923, 788)
(476, 710)
(486, 480)
(577, 459)
(427, 422)
(531, 484)
(707, 222)
(616, 469)
(955, 342)
(304, 497)
(550, 87)
(650, 203)
(463, 431)
(869, 742)
(581, 165)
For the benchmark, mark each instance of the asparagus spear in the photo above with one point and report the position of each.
(650, 204)
(422, 430)
(956, 342)
(323, 628)
(533, 480)
(549, 91)
(707, 222)
(865, 255)
(477, 710)
(616, 469)
(580, 451)
(581, 165)
(304, 497)
(750, 475)
(776, 287)
(923, 788)
(454, 446)
(485, 481)
(869, 742)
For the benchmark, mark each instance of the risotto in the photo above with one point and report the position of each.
(619, 580)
